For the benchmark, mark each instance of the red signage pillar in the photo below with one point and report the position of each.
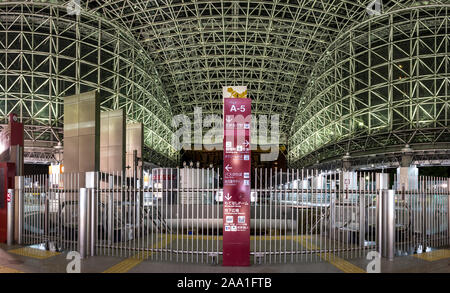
(236, 182)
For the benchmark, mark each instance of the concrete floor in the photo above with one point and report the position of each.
(18, 259)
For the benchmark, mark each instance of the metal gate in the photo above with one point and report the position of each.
(422, 216)
(176, 214)
(50, 210)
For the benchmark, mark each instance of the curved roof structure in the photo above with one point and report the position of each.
(197, 47)
(200, 46)
(270, 46)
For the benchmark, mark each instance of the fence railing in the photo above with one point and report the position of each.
(177, 214)
(422, 216)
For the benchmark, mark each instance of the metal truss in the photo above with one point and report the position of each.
(200, 46)
(46, 54)
(385, 160)
(159, 58)
(379, 86)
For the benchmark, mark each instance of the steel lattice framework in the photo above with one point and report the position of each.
(381, 85)
(46, 54)
(200, 46)
(185, 51)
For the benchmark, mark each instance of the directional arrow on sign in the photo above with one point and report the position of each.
(229, 119)
(228, 168)
(246, 144)
(228, 197)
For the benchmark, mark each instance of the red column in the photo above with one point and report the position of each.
(236, 182)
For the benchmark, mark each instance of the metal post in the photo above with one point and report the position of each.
(19, 216)
(10, 219)
(388, 216)
(91, 179)
(379, 226)
(83, 222)
(46, 221)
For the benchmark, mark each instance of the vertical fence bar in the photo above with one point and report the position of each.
(255, 217)
(424, 215)
(291, 192)
(178, 207)
(218, 213)
(276, 216)
(299, 222)
(40, 219)
(45, 200)
(113, 213)
(215, 199)
(260, 199)
(161, 212)
(333, 198)
(282, 191)
(152, 212)
(311, 211)
(197, 212)
(98, 212)
(30, 213)
(432, 211)
(265, 215)
(302, 239)
(52, 200)
(341, 213)
(207, 214)
(447, 196)
(36, 234)
(320, 208)
(37, 218)
(93, 216)
(170, 214)
(362, 188)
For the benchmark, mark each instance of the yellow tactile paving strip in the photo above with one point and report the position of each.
(129, 263)
(434, 255)
(338, 262)
(124, 266)
(343, 265)
(6, 270)
(33, 252)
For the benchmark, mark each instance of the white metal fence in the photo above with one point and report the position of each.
(176, 214)
(422, 216)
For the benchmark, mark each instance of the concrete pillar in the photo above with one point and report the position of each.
(82, 133)
(407, 174)
(407, 156)
(134, 142)
(349, 180)
(407, 178)
(112, 140)
(346, 163)
(382, 181)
